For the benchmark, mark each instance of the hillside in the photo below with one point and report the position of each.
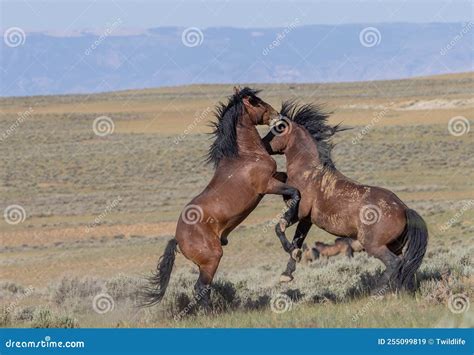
(111, 60)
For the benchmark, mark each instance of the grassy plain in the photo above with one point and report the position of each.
(100, 209)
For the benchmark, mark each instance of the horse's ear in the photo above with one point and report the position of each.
(236, 90)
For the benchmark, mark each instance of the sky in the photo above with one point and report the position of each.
(71, 15)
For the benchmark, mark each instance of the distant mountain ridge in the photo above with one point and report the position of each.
(113, 59)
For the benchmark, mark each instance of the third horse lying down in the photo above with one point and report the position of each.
(343, 245)
(385, 227)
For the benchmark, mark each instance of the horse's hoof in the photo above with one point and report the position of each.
(285, 278)
(296, 254)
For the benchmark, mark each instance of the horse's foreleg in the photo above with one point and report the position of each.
(276, 187)
(291, 195)
(281, 176)
(349, 252)
(301, 232)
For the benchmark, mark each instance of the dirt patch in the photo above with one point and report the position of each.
(68, 235)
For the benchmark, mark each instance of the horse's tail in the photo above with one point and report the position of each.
(416, 236)
(158, 282)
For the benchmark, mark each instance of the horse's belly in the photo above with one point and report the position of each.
(239, 215)
(335, 224)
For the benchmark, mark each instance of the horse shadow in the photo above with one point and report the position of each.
(227, 296)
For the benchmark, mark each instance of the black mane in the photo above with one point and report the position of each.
(314, 119)
(225, 133)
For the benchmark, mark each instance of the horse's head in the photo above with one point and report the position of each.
(278, 138)
(260, 112)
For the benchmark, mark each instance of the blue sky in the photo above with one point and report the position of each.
(82, 14)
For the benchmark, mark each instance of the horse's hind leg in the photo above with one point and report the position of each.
(206, 253)
(202, 287)
(392, 264)
(300, 235)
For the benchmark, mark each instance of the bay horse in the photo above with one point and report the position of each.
(385, 227)
(244, 173)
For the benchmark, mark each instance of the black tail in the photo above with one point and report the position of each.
(417, 240)
(158, 282)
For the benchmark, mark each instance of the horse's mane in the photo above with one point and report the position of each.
(224, 129)
(314, 119)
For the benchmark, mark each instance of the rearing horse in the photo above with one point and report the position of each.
(374, 216)
(244, 173)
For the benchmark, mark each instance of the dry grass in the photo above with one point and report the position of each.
(334, 293)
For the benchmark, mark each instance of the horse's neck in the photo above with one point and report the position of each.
(303, 160)
(248, 139)
(302, 150)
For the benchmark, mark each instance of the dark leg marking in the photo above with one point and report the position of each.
(300, 235)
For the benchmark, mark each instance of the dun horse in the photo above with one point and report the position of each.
(244, 173)
(340, 246)
(343, 245)
(374, 216)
